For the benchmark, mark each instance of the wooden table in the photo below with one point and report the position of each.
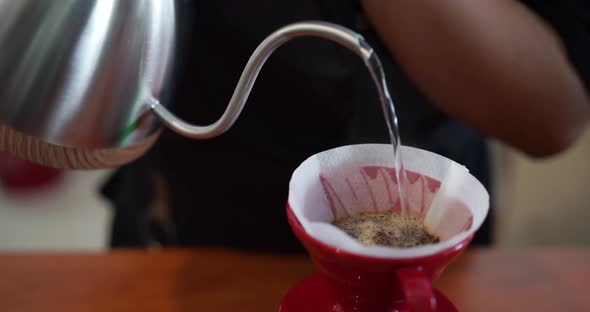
(217, 280)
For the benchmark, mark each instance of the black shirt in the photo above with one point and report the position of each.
(311, 95)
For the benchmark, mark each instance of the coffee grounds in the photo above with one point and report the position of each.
(386, 229)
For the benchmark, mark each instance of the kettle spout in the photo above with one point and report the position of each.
(329, 31)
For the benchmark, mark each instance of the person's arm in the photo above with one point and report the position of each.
(492, 64)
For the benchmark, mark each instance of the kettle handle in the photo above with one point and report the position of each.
(333, 32)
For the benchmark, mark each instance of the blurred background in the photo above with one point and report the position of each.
(538, 203)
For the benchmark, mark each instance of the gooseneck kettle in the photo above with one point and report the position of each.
(81, 81)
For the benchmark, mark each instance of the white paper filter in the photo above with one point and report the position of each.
(357, 178)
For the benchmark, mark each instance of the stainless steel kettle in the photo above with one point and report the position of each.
(81, 81)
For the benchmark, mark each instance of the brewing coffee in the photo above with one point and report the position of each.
(386, 229)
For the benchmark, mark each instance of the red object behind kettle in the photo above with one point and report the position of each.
(20, 174)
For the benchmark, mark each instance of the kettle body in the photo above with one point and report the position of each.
(81, 73)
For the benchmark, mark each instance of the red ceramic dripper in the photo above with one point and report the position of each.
(353, 179)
